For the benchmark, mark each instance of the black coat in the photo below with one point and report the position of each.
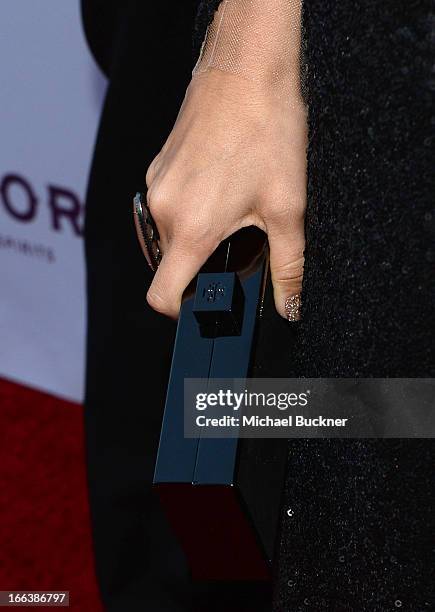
(362, 510)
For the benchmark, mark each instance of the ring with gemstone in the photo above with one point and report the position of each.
(147, 231)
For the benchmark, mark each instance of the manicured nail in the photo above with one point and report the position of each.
(293, 307)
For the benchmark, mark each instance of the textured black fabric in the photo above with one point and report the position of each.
(362, 511)
(358, 515)
(358, 533)
(369, 290)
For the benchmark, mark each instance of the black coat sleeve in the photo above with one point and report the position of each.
(101, 20)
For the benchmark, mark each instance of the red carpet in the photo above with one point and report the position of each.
(45, 541)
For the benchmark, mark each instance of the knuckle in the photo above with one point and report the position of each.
(284, 202)
(196, 233)
(158, 199)
(157, 302)
(291, 270)
(151, 171)
(276, 206)
(149, 176)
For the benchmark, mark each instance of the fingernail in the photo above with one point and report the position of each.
(293, 307)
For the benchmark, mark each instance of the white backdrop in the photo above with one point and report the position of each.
(51, 96)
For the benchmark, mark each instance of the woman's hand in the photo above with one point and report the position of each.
(235, 157)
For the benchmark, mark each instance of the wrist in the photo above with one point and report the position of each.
(215, 84)
(257, 40)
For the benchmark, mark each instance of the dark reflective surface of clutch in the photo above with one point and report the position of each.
(222, 496)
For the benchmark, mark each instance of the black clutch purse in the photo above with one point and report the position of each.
(222, 496)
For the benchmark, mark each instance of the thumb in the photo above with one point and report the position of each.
(178, 267)
(287, 268)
